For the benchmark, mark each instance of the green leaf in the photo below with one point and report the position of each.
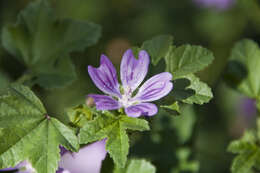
(137, 166)
(181, 90)
(29, 133)
(172, 109)
(185, 165)
(203, 93)
(42, 43)
(134, 123)
(184, 123)
(246, 142)
(246, 54)
(114, 129)
(80, 115)
(187, 59)
(117, 144)
(61, 74)
(249, 153)
(158, 47)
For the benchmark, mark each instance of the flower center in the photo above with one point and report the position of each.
(125, 100)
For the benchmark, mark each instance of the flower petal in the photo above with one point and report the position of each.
(155, 88)
(87, 160)
(8, 169)
(25, 167)
(147, 109)
(105, 77)
(61, 170)
(132, 70)
(104, 102)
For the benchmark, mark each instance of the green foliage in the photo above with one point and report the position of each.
(183, 62)
(189, 89)
(158, 47)
(242, 72)
(80, 115)
(184, 124)
(248, 153)
(187, 59)
(203, 93)
(184, 163)
(29, 133)
(181, 91)
(245, 62)
(114, 129)
(136, 166)
(42, 43)
(173, 109)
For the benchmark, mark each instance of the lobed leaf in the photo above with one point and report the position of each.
(203, 93)
(245, 60)
(28, 133)
(42, 43)
(181, 91)
(117, 144)
(158, 47)
(137, 166)
(114, 129)
(134, 123)
(248, 153)
(187, 59)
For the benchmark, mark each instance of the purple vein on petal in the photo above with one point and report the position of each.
(105, 77)
(155, 88)
(104, 102)
(147, 109)
(132, 70)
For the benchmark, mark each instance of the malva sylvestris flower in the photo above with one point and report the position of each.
(23, 167)
(219, 4)
(132, 73)
(88, 160)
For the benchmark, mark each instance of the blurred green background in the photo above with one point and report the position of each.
(127, 23)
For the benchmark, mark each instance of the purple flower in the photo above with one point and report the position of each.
(87, 160)
(248, 107)
(23, 167)
(8, 169)
(132, 73)
(61, 170)
(219, 4)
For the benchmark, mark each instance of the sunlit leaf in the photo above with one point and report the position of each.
(172, 109)
(27, 132)
(203, 93)
(136, 166)
(187, 59)
(248, 153)
(113, 128)
(80, 115)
